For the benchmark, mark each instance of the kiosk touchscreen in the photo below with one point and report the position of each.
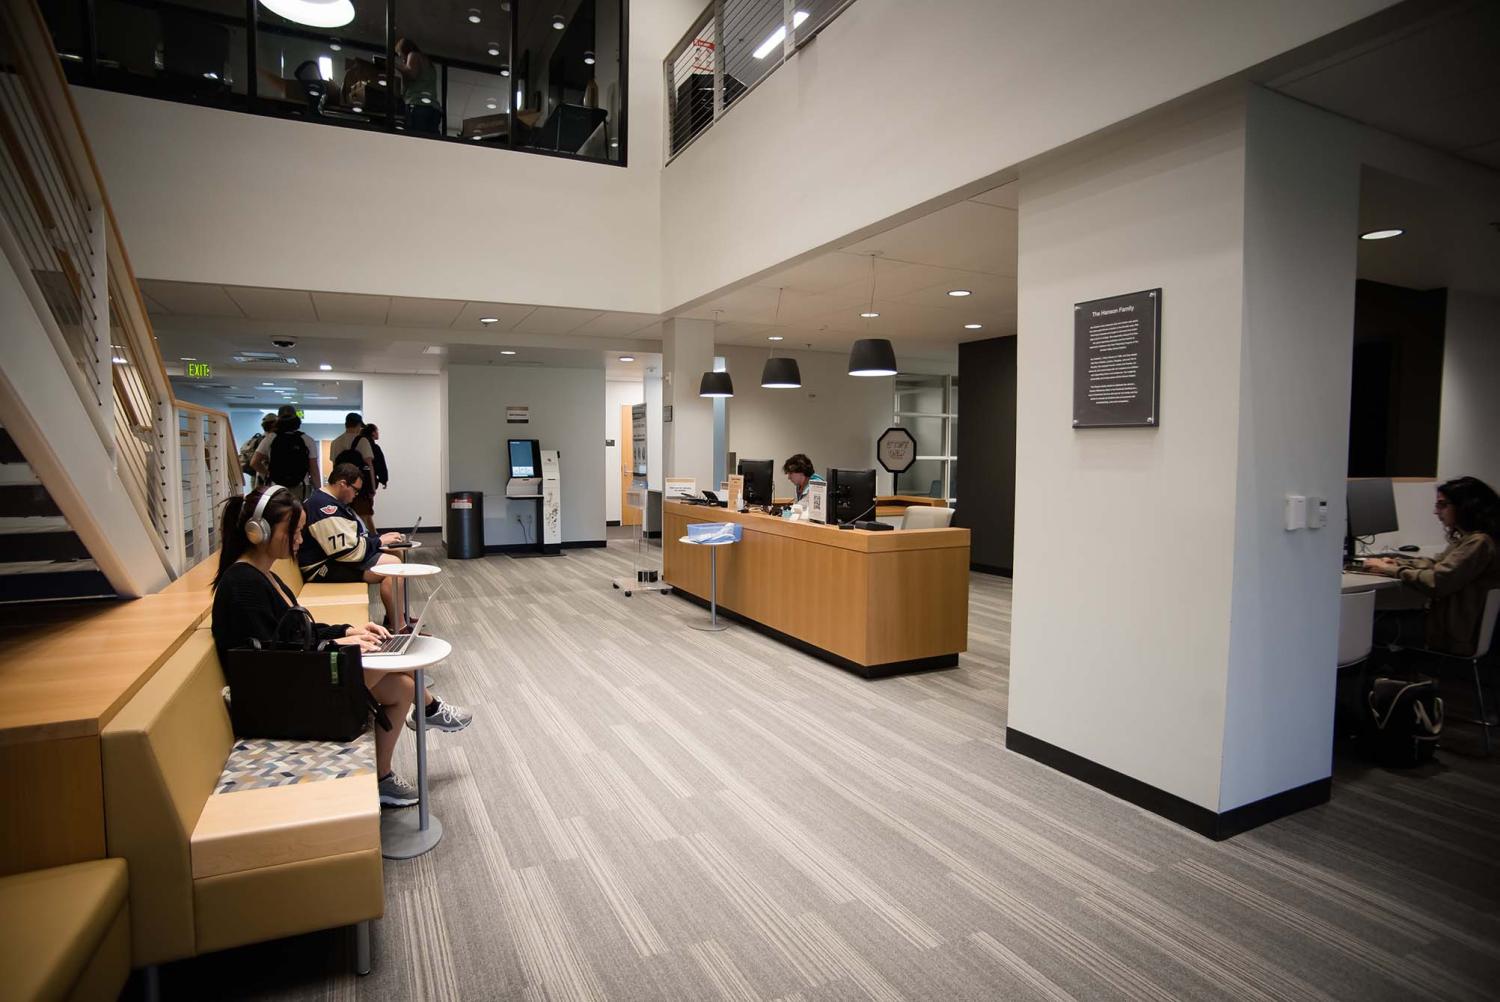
(525, 459)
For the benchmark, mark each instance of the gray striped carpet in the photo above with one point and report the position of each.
(644, 811)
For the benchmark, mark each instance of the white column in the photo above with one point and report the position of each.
(688, 439)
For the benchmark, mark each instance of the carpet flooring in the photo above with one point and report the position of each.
(643, 811)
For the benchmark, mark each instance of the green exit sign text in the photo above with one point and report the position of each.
(199, 370)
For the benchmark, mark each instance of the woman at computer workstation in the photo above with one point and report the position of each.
(1457, 582)
(250, 601)
(799, 470)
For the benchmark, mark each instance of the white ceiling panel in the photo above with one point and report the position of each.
(823, 273)
(555, 320)
(616, 324)
(971, 236)
(351, 308)
(507, 316)
(1007, 196)
(430, 313)
(274, 304)
(192, 299)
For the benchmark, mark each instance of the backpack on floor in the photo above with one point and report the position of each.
(289, 458)
(1404, 721)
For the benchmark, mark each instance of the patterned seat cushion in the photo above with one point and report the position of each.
(256, 763)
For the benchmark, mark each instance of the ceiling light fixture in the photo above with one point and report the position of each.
(118, 360)
(474, 15)
(716, 383)
(774, 337)
(494, 49)
(335, 46)
(958, 293)
(588, 59)
(506, 351)
(1381, 234)
(325, 367)
(491, 105)
(973, 327)
(313, 13)
(558, 22)
(872, 357)
(778, 36)
(870, 315)
(268, 384)
(488, 320)
(356, 109)
(189, 358)
(505, 71)
(780, 373)
(627, 358)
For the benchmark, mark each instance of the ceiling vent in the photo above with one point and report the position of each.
(262, 358)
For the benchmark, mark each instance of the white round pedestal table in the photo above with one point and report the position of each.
(406, 571)
(406, 834)
(713, 625)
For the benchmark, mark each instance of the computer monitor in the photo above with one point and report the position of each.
(1371, 509)
(758, 474)
(525, 458)
(851, 494)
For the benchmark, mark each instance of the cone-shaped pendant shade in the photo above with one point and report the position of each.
(872, 356)
(781, 374)
(716, 384)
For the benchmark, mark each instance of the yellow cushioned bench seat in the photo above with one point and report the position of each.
(67, 934)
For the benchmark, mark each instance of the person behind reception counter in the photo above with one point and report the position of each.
(799, 470)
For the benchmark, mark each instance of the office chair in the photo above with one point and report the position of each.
(921, 516)
(1481, 651)
(1356, 627)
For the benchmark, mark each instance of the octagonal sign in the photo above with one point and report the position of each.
(896, 450)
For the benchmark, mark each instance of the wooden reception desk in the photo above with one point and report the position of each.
(875, 603)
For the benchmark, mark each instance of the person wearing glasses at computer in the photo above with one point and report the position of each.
(1457, 582)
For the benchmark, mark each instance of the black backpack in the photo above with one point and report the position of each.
(1404, 720)
(354, 457)
(289, 458)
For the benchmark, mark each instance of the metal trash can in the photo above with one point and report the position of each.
(465, 539)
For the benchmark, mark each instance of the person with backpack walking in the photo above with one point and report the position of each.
(247, 454)
(382, 472)
(355, 447)
(288, 456)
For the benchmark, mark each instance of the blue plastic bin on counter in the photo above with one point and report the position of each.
(713, 532)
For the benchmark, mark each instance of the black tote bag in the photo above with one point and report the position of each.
(298, 689)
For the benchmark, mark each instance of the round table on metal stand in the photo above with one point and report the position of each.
(406, 570)
(406, 834)
(713, 625)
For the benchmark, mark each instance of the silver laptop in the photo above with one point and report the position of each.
(406, 538)
(397, 643)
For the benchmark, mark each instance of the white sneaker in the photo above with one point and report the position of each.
(397, 792)
(447, 717)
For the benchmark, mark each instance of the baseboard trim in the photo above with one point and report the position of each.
(886, 670)
(1210, 824)
(1003, 572)
(584, 544)
(611, 522)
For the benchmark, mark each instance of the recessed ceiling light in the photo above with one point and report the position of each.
(959, 292)
(506, 351)
(189, 358)
(426, 100)
(627, 358)
(488, 320)
(774, 337)
(210, 75)
(268, 384)
(494, 49)
(478, 139)
(313, 13)
(870, 315)
(505, 71)
(474, 15)
(335, 46)
(491, 104)
(356, 109)
(588, 59)
(325, 367)
(973, 327)
(1381, 234)
(118, 360)
(558, 22)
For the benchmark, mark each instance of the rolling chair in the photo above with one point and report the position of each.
(920, 516)
(1356, 627)
(1481, 651)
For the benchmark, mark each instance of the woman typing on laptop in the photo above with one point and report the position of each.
(250, 602)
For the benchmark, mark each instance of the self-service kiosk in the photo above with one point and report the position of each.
(534, 476)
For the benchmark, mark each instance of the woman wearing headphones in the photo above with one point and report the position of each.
(250, 601)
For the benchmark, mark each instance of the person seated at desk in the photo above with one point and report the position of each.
(1457, 583)
(250, 602)
(799, 470)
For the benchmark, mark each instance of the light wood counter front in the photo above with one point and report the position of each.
(876, 603)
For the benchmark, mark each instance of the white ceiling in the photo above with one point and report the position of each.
(1449, 242)
(1436, 82)
(249, 389)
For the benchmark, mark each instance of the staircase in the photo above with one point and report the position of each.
(41, 557)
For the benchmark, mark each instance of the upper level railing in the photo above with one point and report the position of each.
(59, 237)
(515, 74)
(704, 78)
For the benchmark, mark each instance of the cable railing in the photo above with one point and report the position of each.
(60, 238)
(210, 474)
(729, 49)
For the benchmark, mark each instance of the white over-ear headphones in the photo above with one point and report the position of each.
(257, 529)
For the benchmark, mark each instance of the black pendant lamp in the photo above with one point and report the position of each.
(716, 384)
(872, 356)
(780, 373)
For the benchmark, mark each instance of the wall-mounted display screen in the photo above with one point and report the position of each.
(525, 458)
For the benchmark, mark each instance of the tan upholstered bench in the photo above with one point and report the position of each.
(68, 934)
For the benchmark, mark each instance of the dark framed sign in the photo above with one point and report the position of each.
(896, 449)
(1117, 361)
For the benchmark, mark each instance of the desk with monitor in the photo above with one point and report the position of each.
(874, 603)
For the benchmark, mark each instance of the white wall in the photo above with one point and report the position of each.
(654, 445)
(313, 207)
(567, 413)
(1125, 537)
(834, 418)
(864, 143)
(617, 393)
(409, 411)
(1469, 433)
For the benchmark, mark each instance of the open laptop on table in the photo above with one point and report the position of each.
(397, 643)
(408, 539)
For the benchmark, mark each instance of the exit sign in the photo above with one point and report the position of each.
(199, 370)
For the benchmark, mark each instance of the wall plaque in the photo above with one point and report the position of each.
(1117, 361)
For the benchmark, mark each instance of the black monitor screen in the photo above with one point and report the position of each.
(1372, 507)
(851, 494)
(757, 474)
(524, 459)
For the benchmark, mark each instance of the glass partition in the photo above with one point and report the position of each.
(927, 406)
(541, 77)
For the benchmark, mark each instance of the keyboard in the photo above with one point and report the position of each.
(394, 644)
